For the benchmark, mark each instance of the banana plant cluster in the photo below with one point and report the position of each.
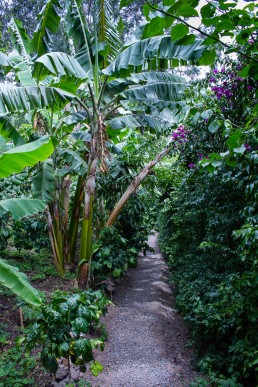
(79, 103)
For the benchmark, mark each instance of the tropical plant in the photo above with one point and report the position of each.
(100, 79)
(17, 282)
(61, 327)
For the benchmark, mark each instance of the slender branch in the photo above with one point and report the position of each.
(110, 103)
(110, 111)
(84, 107)
(199, 30)
(94, 103)
(102, 89)
(134, 185)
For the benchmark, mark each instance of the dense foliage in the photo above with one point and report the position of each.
(208, 227)
(86, 108)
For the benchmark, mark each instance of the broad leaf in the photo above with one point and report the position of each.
(17, 282)
(155, 92)
(49, 21)
(75, 162)
(16, 159)
(142, 121)
(23, 99)
(43, 183)
(8, 131)
(140, 53)
(21, 207)
(20, 40)
(69, 72)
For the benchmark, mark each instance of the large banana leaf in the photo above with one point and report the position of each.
(23, 60)
(69, 72)
(23, 99)
(159, 47)
(7, 130)
(134, 121)
(21, 40)
(108, 30)
(156, 76)
(76, 28)
(18, 283)
(156, 92)
(75, 162)
(20, 207)
(49, 21)
(118, 85)
(43, 183)
(16, 159)
(4, 62)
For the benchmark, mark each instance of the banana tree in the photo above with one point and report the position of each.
(109, 87)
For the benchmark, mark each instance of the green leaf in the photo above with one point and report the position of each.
(17, 282)
(43, 183)
(187, 40)
(214, 126)
(20, 207)
(69, 72)
(49, 362)
(49, 21)
(125, 3)
(136, 55)
(80, 325)
(16, 159)
(75, 162)
(23, 99)
(179, 31)
(76, 28)
(83, 347)
(234, 140)
(20, 40)
(187, 11)
(8, 131)
(96, 368)
(154, 27)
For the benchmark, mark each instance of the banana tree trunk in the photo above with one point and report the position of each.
(54, 235)
(134, 185)
(74, 221)
(86, 232)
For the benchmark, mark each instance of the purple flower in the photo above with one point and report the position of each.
(179, 135)
(200, 155)
(215, 71)
(223, 70)
(251, 41)
(191, 165)
(247, 147)
(249, 87)
(212, 80)
(228, 93)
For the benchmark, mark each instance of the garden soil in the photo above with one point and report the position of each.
(147, 338)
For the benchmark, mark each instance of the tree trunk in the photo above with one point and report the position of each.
(86, 233)
(134, 185)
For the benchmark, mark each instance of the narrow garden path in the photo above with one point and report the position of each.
(147, 338)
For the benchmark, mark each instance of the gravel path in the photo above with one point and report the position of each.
(147, 338)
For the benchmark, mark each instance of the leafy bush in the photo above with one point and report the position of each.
(208, 231)
(61, 327)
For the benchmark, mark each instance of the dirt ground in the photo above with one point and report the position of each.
(147, 344)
